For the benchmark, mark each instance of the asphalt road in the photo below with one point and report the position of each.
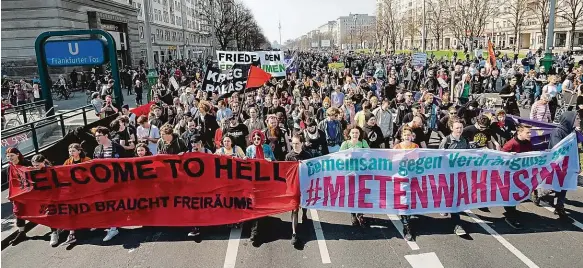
(545, 241)
(328, 241)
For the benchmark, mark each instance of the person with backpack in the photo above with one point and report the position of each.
(455, 140)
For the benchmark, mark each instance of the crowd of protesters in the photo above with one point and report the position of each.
(376, 101)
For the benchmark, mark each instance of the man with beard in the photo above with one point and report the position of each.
(237, 131)
(315, 139)
(373, 133)
(419, 135)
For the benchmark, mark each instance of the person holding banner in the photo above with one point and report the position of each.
(77, 156)
(230, 149)
(39, 161)
(107, 149)
(455, 140)
(355, 140)
(332, 128)
(17, 159)
(567, 122)
(297, 154)
(519, 144)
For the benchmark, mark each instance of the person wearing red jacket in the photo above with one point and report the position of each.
(519, 144)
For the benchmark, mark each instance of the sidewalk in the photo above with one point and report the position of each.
(9, 228)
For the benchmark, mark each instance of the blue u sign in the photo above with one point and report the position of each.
(75, 52)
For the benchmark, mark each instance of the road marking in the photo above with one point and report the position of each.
(552, 210)
(424, 260)
(502, 241)
(320, 236)
(397, 223)
(232, 248)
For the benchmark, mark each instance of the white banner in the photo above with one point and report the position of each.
(325, 43)
(405, 182)
(270, 61)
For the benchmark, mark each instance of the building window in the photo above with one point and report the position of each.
(578, 39)
(174, 37)
(141, 30)
(167, 35)
(560, 39)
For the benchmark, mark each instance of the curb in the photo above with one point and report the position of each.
(6, 240)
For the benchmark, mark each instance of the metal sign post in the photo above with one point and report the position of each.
(82, 52)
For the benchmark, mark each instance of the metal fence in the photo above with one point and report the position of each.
(32, 137)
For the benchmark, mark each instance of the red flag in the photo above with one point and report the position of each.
(257, 77)
(142, 110)
(491, 54)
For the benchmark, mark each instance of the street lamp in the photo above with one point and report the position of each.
(547, 61)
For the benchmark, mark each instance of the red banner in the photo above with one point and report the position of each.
(193, 189)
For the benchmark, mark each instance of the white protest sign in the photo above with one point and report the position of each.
(270, 61)
(419, 60)
(423, 181)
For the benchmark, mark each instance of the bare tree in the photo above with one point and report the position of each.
(412, 26)
(515, 11)
(388, 22)
(436, 12)
(541, 9)
(572, 12)
(467, 19)
(232, 24)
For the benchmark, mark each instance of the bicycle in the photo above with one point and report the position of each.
(61, 92)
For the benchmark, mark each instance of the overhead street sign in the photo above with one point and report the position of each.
(75, 52)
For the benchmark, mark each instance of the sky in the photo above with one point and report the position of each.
(298, 17)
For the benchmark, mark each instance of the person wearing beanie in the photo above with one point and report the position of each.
(373, 133)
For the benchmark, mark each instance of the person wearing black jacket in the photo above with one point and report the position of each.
(567, 123)
(170, 142)
(237, 131)
(373, 133)
(297, 154)
(207, 124)
(107, 149)
(315, 139)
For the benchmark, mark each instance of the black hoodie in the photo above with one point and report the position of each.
(566, 127)
(373, 136)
